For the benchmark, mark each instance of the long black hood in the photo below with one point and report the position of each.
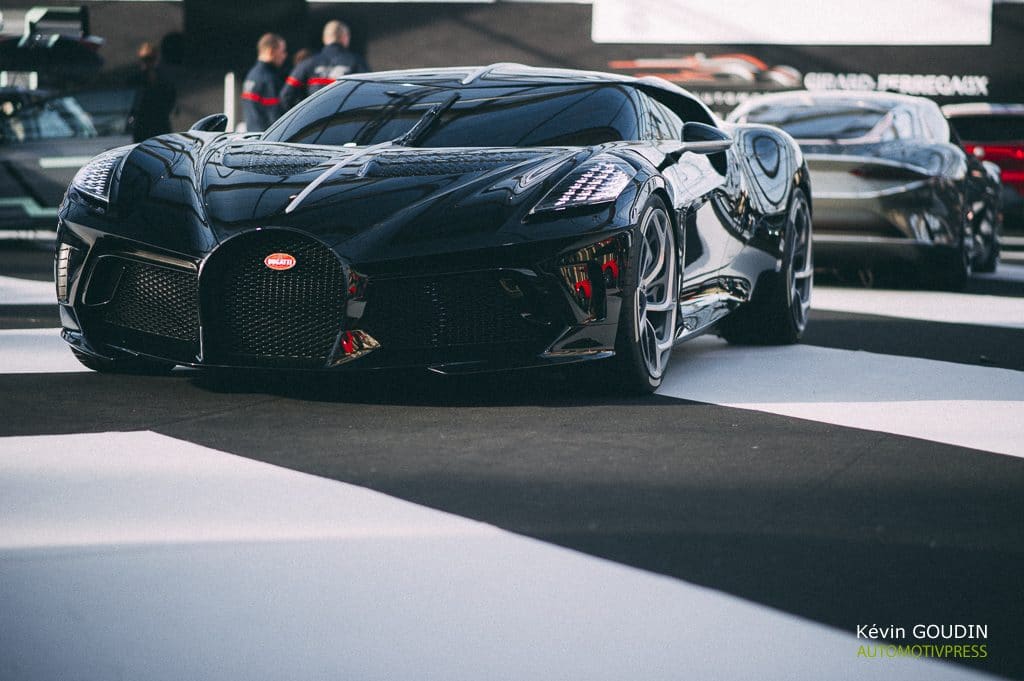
(388, 196)
(385, 201)
(371, 203)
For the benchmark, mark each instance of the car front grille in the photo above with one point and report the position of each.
(452, 311)
(152, 299)
(254, 315)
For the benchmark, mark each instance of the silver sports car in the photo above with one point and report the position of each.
(891, 182)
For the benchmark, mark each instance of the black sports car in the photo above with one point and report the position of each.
(460, 219)
(892, 183)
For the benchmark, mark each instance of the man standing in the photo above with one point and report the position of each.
(260, 102)
(331, 63)
(154, 97)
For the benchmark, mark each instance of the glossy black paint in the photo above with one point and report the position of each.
(891, 180)
(426, 223)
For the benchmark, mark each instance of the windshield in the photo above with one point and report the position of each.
(57, 118)
(363, 112)
(834, 120)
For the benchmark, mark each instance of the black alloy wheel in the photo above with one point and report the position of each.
(777, 312)
(650, 308)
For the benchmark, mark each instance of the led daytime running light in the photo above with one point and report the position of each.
(95, 177)
(594, 183)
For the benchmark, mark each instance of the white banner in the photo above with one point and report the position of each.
(793, 22)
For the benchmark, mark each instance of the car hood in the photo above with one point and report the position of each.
(187, 192)
(387, 195)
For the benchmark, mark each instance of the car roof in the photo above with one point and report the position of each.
(983, 109)
(933, 122)
(492, 74)
(508, 74)
(882, 99)
(9, 90)
(16, 93)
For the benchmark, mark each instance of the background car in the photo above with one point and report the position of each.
(54, 43)
(995, 133)
(699, 69)
(461, 220)
(45, 137)
(891, 182)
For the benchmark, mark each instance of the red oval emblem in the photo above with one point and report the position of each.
(279, 261)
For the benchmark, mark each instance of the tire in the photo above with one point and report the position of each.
(123, 365)
(647, 319)
(989, 257)
(990, 262)
(950, 271)
(777, 312)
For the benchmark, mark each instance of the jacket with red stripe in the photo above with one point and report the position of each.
(330, 64)
(261, 101)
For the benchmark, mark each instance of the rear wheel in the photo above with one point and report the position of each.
(123, 365)
(647, 321)
(988, 258)
(777, 312)
(951, 270)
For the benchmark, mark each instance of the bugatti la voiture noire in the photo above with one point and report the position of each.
(460, 219)
(892, 184)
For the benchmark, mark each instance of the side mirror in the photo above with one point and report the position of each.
(213, 123)
(705, 139)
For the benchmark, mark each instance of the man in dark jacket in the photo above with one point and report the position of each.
(260, 100)
(331, 63)
(154, 97)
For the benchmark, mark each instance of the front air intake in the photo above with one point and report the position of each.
(272, 298)
(148, 298)
(448, 312)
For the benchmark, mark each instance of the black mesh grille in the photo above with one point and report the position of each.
(445, 312)
(156, 300)
(278, 161)
(255, 315)
(411, 164)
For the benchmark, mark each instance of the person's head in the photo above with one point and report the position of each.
(336, 32)
(301, 55)
(147, 54)
(272, 48)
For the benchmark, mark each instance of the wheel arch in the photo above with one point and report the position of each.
(655, 185)
(802, 181)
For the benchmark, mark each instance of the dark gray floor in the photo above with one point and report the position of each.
(838, 525)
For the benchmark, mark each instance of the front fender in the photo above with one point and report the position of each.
(156, 197)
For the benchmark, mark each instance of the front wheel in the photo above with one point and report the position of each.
(647, 320)
(777, 312)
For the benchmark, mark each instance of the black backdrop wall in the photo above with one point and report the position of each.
(212, 37)
(402, 35)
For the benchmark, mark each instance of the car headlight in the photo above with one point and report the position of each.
(95, 177)
(599, 180)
